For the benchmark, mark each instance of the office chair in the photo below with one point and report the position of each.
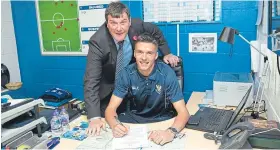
(5, 76)
(179, 71)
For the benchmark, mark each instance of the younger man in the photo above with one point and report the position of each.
(156, 91)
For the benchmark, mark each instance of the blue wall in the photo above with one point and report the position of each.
(39, 73)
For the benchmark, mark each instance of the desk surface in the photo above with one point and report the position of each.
(194, 140)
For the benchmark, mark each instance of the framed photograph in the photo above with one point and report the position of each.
(203, 42)
(277, 45)
(275, 41)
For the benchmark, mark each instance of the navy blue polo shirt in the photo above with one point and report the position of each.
(154, 94)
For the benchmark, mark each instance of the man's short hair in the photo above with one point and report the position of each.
(116, 9)
(147, 38)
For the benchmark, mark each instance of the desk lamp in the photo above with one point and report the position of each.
(227, 36)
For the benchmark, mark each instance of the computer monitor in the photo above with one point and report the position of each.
(239, 108)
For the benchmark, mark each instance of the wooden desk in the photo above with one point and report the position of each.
(194, 140)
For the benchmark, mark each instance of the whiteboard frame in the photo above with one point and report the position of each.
(188, 22)
(44, 53)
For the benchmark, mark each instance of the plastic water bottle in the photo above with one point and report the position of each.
(64, 119)
(56, 126)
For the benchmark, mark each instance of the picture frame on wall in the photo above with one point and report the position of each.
(277, 45)
(275, 41)
(203, 42)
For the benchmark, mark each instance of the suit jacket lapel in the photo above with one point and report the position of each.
(112, 46)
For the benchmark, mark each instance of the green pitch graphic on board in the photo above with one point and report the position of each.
(59, 26)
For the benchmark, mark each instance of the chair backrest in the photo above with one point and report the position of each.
(179, 71)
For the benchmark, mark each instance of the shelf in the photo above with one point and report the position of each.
(13, 113)
(9, 134)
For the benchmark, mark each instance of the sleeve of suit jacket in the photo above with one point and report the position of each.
(91, 80)
(155, 31)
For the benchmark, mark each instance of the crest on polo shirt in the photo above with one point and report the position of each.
(158, 88)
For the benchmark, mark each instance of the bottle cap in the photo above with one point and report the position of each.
(55, 112)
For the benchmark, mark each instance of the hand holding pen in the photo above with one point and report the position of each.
(120, 130)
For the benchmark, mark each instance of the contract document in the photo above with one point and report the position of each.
(137, 137)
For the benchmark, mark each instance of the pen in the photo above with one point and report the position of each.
(119, 121)
(105, 129)
(181, 135)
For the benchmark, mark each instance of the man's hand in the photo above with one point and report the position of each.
(120, 130)
(171, 59)
(161, 137)
(95, 127)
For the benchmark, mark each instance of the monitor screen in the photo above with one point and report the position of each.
(239, 107)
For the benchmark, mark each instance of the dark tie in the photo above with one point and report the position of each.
(119, 66)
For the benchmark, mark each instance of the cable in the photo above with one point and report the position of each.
(246, 110)
(239, 120)
(278, 67)
(265, 131)
(251, 109)
(264, 105)
(270, 17)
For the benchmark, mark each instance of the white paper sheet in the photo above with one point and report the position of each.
(137, 137)
(176, 144)
(97, 142)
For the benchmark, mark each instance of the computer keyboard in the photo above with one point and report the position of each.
(211, 120)
(217, 119)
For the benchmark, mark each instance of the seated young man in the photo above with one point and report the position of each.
(156, 94)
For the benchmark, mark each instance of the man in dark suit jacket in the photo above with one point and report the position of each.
(102, 59)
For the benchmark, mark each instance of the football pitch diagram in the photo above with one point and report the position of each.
(59, 26)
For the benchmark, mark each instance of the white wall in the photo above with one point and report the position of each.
(272, 89)
(9, 55)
